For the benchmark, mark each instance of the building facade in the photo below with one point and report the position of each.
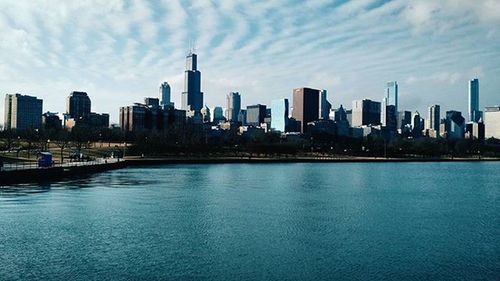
(365, 112)
(280, 115)
(233, 108)
(22, 112)
(492, 122)
(324, 105)
(255, 114)
(305, 106)
(165, 95)
(192, 97)
(473, 101)
(391, 93)
(78, 105)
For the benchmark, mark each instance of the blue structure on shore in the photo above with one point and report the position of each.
(45, 160)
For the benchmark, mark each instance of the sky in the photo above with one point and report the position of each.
(119, 51)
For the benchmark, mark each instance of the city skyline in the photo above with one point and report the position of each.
(49, 61)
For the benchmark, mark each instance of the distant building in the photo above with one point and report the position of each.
(78, 105)
(233, 106)
(391, 94)
(165, 95)
(473, 102)
(474, 131)
(403, 121)
(152, 102)
(365, 112)
(192, 97)
(324, 105)
(51, 121)
(205, 113)
(22, 112)
(434, 120)
(256, 114)
(217, 115)
(388, 118)
(305, 106)
(454, 125)
(279, 118)
(492, 122)
(242, 117)
(417, 124)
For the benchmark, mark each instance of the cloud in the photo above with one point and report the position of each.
(119, 51)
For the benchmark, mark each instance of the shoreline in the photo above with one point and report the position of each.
(47, 175)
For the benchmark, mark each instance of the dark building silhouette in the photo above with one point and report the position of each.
(192, 97)
(51, 121)
(305, 106)
(256, 114)
(22, 112)
(78, 105)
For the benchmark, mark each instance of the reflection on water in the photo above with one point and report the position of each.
(361, 221)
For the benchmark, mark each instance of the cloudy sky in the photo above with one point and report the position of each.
(120, 50)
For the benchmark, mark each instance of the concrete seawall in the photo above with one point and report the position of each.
(54, 173)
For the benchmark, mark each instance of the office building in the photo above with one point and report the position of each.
(78, 105)
(305, 106)
(365, 113)
(205, 113)
(454, 125)
(391, 93)
(474, 131)
(242, 117)
(324, 105)
(492, 122)
(217, 115)
(233, 106)
(51, 121)
(255, 114)
(22, 112)
(403, 121)
(417, 124)
(192, 97)
(433, 121)
(280, 115)
(473, 102)
(388, 118)
(165, 95)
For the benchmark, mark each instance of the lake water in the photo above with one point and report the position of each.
(338, 221)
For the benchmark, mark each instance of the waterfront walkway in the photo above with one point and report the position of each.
(33, 165)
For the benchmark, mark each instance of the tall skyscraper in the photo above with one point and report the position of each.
(279, 117)
(365, 112)
(324, 105)
(192, 97)
(305, 106)
(233, 106)
(454, 124)
(434, 117)
(78, 105)
(165, 95)
(391, 93)
(474, 113)
(22, 112)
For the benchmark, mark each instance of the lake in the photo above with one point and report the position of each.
(316, 221)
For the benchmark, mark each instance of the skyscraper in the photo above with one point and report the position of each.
(22, 112)
(365, 112)
(324, 105)
(391, 93)
(78, 105)
(218, 115)
(256, 114)
(165, 95)
(233, 106)
(305, 106)
(434, 117)
(192, 97)
(279, 117)
(492, 122)
(474, 113)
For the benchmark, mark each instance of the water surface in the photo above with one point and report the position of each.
(338, 221)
